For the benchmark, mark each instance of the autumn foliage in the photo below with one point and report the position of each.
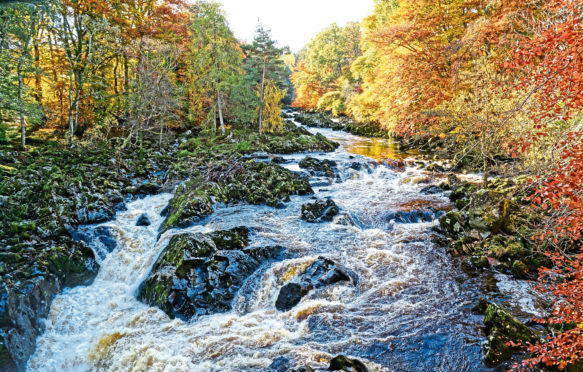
(498, 84)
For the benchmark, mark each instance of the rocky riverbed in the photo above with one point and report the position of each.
(243, 259)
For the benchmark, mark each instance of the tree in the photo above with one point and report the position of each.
(263, 62)
(272, 107)
(19, 25)
(154, 96)
(323, 78)
(216, 59)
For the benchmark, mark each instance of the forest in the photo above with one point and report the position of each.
(114, 110)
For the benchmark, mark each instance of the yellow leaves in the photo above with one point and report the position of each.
(272, 119)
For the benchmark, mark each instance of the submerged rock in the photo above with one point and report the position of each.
(319, 211)
(143, 220)
(321, 273)
(503, 328)
(200, 274)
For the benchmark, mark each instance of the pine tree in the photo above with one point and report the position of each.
(263, 62)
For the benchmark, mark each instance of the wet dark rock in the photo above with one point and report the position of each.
(501, 329)
(318, 167)
(143, 221)
(23, 307)
(319, 211)
(481, 307)
(166, 211)
(344, 219)
(278, 160)
(101, 238)
(200, 274)
(414, 216)
(342, 363)
(321, 273)
(148, 188)
(93, 216)
(431, 190)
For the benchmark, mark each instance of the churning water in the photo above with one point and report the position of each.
(409, 311)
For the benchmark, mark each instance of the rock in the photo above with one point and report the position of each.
(101, 239)
(252, 182)
(344, 219)
(434, 167)
(519, 269)
(143, 220)
(148, 188)
(321, 273)
(200, 274)
(93, 216)
(502, 328)
(278, 160)
(319, 211)
(481, 307)
(342, 363)
(319, 167)
(431, 190)
(414, 216)
(453, 223)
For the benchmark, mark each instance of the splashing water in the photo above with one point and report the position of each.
(410, 309)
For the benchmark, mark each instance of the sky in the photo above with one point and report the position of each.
(292, 23)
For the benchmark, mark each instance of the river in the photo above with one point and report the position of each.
(409, 311)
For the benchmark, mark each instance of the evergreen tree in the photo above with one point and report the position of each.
(264, 62)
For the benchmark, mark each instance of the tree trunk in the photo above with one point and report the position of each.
(71, 104)
(220, 107)
(20, 105)
(37, 78)
(262, 94)
(115, 80)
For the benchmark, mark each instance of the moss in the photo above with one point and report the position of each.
(519, 269)
(503, 328)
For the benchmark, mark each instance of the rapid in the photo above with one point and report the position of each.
(410, 309)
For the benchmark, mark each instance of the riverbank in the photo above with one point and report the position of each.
(46, 194)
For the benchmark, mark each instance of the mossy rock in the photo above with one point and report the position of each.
(505, 249)
(502, 328)
(319, 211)
(342, 363)
(453, 223)
(200, 274)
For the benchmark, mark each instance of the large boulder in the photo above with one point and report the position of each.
(502, 328)
(251, 182)
(319, 211)
(200, 274)
(318, 167)
(321, 273)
